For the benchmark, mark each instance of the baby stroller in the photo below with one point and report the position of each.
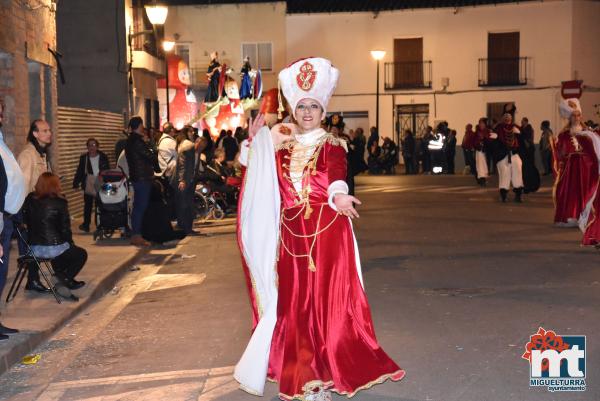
(111, 204)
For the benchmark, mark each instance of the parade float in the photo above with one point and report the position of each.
(227, 104)
(183, 105)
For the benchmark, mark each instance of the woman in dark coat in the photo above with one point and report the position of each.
(46, 215)
(91, 163)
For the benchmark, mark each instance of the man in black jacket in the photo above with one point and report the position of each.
(91, 163)
(143, 163)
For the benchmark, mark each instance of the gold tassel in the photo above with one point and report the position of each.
(308, 211)
(311, 264)
(280, 108)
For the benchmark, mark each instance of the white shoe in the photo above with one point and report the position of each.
(320, 395)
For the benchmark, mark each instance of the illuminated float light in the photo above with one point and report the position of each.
(437, 170)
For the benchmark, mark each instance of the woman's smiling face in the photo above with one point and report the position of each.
(308, 114)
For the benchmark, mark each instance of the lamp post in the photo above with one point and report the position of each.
(167, 47)
(377, 55)
(157, 14)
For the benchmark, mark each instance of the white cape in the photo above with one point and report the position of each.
(259, 226)
(585, 215)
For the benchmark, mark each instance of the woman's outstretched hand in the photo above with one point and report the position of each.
(255, 125)
(345, 205)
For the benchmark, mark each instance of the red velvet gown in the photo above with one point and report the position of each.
(577, 176)
(591, 235)
(324, 334)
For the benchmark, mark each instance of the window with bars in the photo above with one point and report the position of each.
(261, 55)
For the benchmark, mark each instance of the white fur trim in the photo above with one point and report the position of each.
(336, 187)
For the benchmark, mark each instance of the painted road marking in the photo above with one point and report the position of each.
(210, 384)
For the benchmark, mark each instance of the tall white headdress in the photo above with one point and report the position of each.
(568, 106)
(313, 78)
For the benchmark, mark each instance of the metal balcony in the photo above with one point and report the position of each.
(408, 75)
(503, 71)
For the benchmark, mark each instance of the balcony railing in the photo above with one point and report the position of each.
(503, 71)
(408, 75)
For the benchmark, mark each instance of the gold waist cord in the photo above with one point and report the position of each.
(311, 263)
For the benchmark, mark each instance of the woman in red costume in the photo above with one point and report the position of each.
(576, 167)
(313, 329)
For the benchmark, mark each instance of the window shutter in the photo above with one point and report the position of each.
(249, 50)
(265, 61)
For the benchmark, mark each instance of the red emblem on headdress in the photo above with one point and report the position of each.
(306, 77)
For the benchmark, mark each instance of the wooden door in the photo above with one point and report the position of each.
(503, 58)
(408, 63)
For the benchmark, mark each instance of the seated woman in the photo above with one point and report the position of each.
(46, 215)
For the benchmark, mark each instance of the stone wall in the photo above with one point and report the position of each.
(27, 68)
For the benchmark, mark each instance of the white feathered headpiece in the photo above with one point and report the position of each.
(568, 106)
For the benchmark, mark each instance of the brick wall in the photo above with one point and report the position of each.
(28, 28)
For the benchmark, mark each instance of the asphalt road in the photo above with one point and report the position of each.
(457, 283)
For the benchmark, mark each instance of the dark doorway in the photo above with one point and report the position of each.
(503, 58)
(414, 117)
(408, 63)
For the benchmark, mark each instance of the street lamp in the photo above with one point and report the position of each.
(377, 55)
(167, 47)
(157, 14)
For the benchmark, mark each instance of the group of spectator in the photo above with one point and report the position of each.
(381, 159)
(431, 152)
(174, 161)
(32, 202)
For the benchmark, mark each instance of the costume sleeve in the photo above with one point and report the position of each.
(336, 173)
(336, 163)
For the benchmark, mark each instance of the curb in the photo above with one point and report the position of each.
(31, 340)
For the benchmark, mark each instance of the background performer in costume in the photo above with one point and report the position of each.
(214, 75)
(313, 330)
(507, 158)
(246, 87)
(481, 144)
(577, 167)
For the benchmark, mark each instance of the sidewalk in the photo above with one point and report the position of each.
(38, 316)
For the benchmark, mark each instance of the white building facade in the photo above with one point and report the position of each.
(452, 64)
